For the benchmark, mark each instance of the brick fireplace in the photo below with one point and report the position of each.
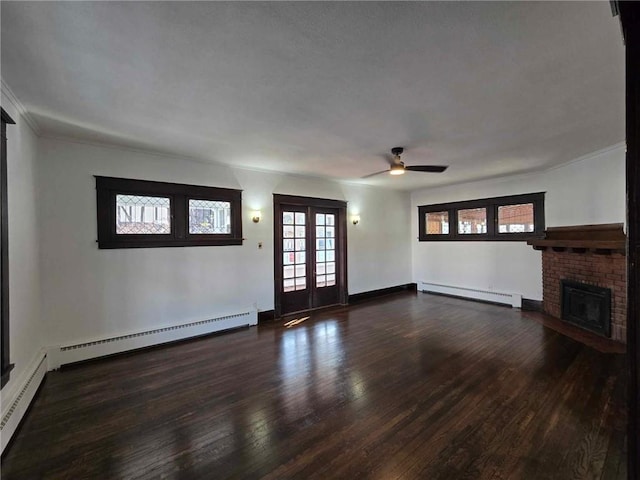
(593, 255)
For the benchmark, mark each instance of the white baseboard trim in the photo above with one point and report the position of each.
(14, 408)
(513, 299)
(58, 355)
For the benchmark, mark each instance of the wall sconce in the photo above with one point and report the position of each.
(256, 215)
(355, 219)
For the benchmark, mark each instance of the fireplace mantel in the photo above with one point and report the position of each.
(603, 238)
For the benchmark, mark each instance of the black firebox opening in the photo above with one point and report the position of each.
(587, 306)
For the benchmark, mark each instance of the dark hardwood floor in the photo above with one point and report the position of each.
(411, 386)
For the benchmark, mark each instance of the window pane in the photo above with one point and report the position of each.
(287, 245)
(300, 232)
(515, 218)
(320, 244)
(300, 245)
(320, 232)
(319, 218)
(331, 267)
(300, 257)
(209, 217)
(300, 218)
(319, 256)
(300, 270)
(330, 219)
(139, 215)
(330, 232)
(437, 223)
(331, 255)
(287, 258)
(301, 283)
(472, 221)
(320, 268)
(331, 280)
(321, 281)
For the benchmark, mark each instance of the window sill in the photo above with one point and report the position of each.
(170, 243)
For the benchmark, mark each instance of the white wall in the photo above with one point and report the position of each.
(90, 293)
(24, 278)
(588, 190)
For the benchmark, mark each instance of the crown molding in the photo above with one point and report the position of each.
(24, 113)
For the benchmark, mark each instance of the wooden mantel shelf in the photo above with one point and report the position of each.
(604, 238)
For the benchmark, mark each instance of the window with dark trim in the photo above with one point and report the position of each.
(141, 213)
(6, 366)
(511, 218)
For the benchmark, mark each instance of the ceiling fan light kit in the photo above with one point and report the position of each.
(397, 169)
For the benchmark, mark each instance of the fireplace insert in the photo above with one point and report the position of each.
(587, 306)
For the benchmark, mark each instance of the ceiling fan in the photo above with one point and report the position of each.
(397, 166)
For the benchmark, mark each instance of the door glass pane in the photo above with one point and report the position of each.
(139, 215)
(325, 250)
(287, 218)
(288, 258)
(294, 268)
(287, 231)
(289, 285)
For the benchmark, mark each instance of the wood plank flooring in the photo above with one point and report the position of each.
(411, 386)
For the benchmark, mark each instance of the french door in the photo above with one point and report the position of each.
(310, 253)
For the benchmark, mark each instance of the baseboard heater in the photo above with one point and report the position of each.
(513, 299)
(59, 355)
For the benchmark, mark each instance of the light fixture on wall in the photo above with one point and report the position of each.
(355, 219)
(256, 215)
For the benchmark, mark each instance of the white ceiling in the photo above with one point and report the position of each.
(326, 88)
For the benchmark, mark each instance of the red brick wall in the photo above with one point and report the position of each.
(607, 271)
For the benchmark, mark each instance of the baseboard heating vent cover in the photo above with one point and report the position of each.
(63, 354)
(19, 402)
(513, 299)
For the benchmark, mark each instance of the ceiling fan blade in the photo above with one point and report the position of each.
(427, 168)
(377, 173)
